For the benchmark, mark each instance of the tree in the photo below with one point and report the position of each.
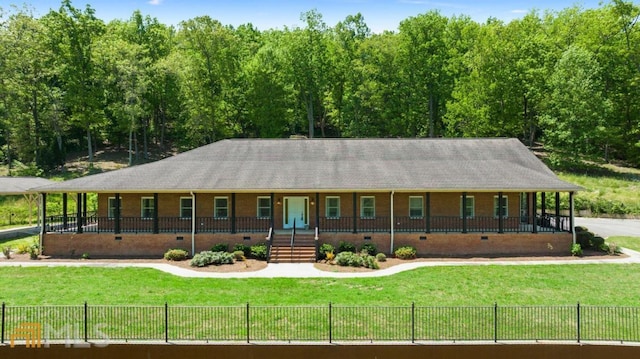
(576, 118)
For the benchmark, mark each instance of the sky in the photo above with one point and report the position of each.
(379, 15)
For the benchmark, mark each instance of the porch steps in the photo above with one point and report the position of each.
(303, 251)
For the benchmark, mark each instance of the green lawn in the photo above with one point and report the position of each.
(632, 243)
(612, 284)
(13, 243)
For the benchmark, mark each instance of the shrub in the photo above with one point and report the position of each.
(576, 250)
(597, 242)
(380, 257)
(239, 255)
(325, 248)
(346, 247)
(370, 262)
(584, 239)
(6, 251)
(613, 249)
(246, 250)
(176, 255)
(85, 255)
(349, 259)
(22, 248)
(330, 256)
(220, 247)
(206, 258)
(259, 251)
(406, 252)
(34, 250)
(371, 248)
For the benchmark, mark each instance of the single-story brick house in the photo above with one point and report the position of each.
(445, 197)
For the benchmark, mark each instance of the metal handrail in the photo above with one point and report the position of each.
(293, 235)
(269, 243)
(317, 237)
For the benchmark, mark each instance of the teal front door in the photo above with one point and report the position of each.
(296, 209)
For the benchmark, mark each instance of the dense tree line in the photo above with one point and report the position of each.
(69, 81)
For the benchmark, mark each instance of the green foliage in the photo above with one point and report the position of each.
(406, 252)
(597, 243)
(576, 250)
(324, 249)
(370, 248)
(220, 247)
(245, 249)
(86, 255)
(584, 239)
(346, 247)
(206, 258)
(6, 251)
(381, 257)
(259, 251)
(34, 249)
(176, 255)
(239, 256)
(349, 259)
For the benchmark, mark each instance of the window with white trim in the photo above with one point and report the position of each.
(264, 207)
(147, 205)
(367, 207)
(186, 207)
(416, 208)
(470, 211)
(221, 207)
(332, 207)
(111, 211)
(502, 209)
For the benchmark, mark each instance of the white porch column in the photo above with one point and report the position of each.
(193, 224)
(392, 223)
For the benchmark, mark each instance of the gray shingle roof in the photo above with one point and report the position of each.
(278, 165)
(21, 185)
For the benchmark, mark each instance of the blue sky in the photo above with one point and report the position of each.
(379, 15)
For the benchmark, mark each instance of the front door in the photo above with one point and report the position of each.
(296, 209)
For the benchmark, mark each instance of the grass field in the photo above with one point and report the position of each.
(611, 284)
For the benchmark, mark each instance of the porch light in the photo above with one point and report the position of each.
(313, 203)
(278, 202)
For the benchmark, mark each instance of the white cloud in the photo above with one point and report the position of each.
(155, 2)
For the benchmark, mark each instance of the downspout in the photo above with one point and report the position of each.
(193, 224)
(392, 223)
(41, 216)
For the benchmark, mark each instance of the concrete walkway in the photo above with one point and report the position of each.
(307, 270)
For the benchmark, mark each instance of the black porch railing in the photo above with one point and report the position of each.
(446, 224)
(328, 323)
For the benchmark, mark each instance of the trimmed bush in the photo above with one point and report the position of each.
(324, 249)
(348, 259)
(175, 255)
(597, 243)
(584, 238)
(406, 252)
(371, 248)
(259, 251)
(246, 250)
(346, 247)
(220, 247)
(380, 257)
(206, 258)
(576, 250)
(239, 256)
(370, 262)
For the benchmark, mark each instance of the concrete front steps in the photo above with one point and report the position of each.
(303, 251)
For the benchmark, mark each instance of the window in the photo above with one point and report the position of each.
(264, 207)
(415, 207)
(367, 207)
(147, 205)
(501, 209)
(470, 211)
(111, 212)
(221, 207)
(332, 208)
(186, 207)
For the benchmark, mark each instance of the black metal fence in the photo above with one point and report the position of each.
(330, 323)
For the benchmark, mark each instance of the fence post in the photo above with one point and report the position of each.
(166, 322)
(578, 321)
(495, 322)
(2, 335)
(413, 322)
(330, 323)
(248, 337)
(86, 320)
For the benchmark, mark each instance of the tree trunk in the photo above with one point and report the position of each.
(89, 147)
(310, 114)
(432, 115)
(130, 146)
